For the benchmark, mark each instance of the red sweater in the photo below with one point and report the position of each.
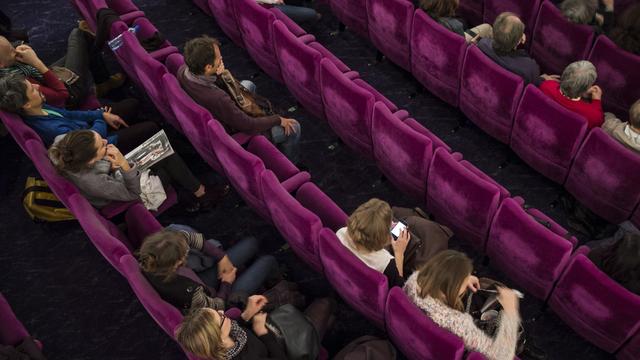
(591, 110)
(54, 90)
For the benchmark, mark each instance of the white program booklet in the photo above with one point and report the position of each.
(151, 151)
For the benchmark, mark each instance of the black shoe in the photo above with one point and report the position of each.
(532, 352)
(212, 196)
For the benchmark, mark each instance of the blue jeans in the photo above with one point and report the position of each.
(252, 278)
(298, 14)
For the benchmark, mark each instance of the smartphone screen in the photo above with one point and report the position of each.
(395, 232)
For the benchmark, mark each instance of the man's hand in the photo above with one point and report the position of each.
(258, 324)
(26, 55)
(254, 306)
(289, 125)
(225, 265)
(596, 92)
(550, 77)
(113, 120)
(608, 4)
(229, 276)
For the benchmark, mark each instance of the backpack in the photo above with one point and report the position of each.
(41, 204)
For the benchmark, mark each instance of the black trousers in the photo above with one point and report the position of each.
(173, 171)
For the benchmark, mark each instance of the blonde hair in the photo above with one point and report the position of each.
(200, 334)
(444, 274)
(368, 226)
(161, 251)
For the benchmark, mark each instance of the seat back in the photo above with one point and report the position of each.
(389, 23)
(256, 26)
(88, 10)
(471, 11)
(61, 187)
(436, 57)
(415, 334)
(300, 67)
(311, 197)
(298, 225)
(600, 178)
(173, 62)
(20, 131)
(527, 11)
(360, 286)
(401, 153)
(531, 255)
(140, 224)
(631, 350)
(352, 14)
(594, 305)
(12, 332)
(558, 42)
(489, 94)
(225, 15)
(348, 108)
(546, 135)
(460, 199)
(618, 75)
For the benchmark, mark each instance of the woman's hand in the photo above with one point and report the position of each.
(400, 245)
(229, 276)
(474, 283)
(509, 300)
(117, 160)
(255, 303)
(225, 265)
(259, 324)
(113, 120)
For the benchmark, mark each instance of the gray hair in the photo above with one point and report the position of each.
(577, 78)
(13, 93)
(507, 33)
(579, 11)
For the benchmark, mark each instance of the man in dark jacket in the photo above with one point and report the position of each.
(199, 77)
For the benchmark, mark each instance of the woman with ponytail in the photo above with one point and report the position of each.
(102, 174)
(368, 236)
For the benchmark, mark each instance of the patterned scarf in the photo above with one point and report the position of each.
(208, 81)
(22, 69)
(239, 336)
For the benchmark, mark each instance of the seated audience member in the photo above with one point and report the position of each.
(210, 334)
(444, 11)
(102, 174)
(576, 91)
(508, 34)
(298, 13)
(628, 133)
(79, 68)
(587, 12)
(163, 254)
(438, 289)
(19, 96)
(626, 33)
(368, 236)
(203, 78)
(620, 260)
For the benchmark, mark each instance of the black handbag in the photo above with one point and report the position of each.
(295, 332)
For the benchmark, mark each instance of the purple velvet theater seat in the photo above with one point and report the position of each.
(61, 187)
(601, 177)
(595, 306)
(12, 332)
(631, 350)
(360, 286)
(489, 94)
(461, 199)
(20, 131)
(140, 224)
(435, 140)
(390, 29)
(527, 11)
(557, 42)
(401, 153)
(618, 75)
(529, 253)
(204, 6)
(353, 14)
(225, 15)
(311, 197)
(546, 135)
(299, 226)
(471, 11)
(173, 62)
(436, 57)
(415, 334)
(88, 9)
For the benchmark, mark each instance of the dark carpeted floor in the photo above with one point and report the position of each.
(81, 308)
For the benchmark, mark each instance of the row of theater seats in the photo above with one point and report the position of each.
(548, 137)
(246, 170)
(12, 331)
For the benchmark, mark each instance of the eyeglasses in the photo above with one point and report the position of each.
(223, 317)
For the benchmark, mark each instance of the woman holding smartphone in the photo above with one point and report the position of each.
(394, 241)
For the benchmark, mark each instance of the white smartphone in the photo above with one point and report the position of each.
(395, 232)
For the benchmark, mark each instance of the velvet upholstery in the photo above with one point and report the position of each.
(255, 24)
(204, 6)
(173, 62)
(20, 131)
(140, 224)
(489, 94)
(334, 59)
(353, 14)
(274, 160)
(631, 350)
(471, 11)
(12, 332)
(390, 29)
(401, 153)
(377, 96)
(595, 306)
(348, 108)
(601, 177)
(225, 15)
(60, 186)
(546, 135)
(311, 197)
(116, 207)
(435, 140)
(527, 11)
(436, 57)
(618, 75)
(299, 226)
(415, 334)
(525, 250)
(557, 42)
(460, 199)
(300, 66)
(360, 286)
(147, 30)
(122, 6)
